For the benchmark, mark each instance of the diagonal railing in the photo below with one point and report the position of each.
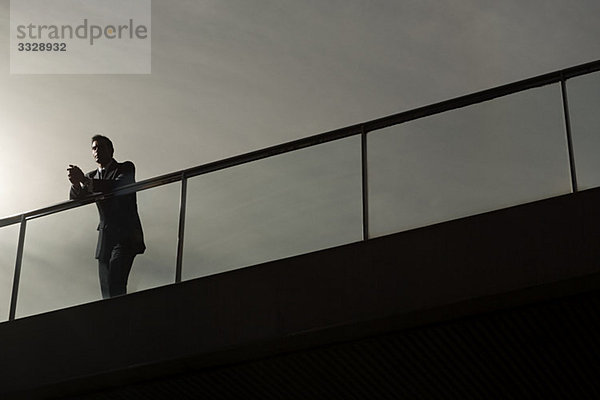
(361, 129)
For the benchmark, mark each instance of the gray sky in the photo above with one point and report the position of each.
(231, 76)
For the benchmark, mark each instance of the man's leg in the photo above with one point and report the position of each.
(103, 273)
(118, 273)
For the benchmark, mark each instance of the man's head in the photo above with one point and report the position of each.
(102, 149)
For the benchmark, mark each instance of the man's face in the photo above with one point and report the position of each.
(101, 152)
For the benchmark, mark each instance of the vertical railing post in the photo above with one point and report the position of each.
(17, 276)
(365, 184)
(181, 231)
(565, 102)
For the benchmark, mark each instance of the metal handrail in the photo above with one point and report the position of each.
(358, 129)
(361, 129)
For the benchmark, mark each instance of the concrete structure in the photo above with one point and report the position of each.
(436, 312)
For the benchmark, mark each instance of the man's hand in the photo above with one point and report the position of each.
(75, 175)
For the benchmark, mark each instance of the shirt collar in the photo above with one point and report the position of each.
(100, 169)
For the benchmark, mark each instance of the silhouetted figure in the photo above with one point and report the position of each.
(120, 235)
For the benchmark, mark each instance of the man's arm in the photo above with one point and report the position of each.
(80, 184)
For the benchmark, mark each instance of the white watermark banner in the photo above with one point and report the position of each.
(80, 37)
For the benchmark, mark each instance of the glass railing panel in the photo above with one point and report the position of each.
(491, 155)
(159, 213)
(9, 238)
(584, 109)
(58, 268)
(282, 206)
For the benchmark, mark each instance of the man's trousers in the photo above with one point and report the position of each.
(114, 272)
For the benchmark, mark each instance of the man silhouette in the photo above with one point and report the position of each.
(120, 235)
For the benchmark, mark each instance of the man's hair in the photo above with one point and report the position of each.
(104, 139)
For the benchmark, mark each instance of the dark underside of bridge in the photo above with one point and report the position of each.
(504, 304)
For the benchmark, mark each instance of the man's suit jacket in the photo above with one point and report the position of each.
(119, 220)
